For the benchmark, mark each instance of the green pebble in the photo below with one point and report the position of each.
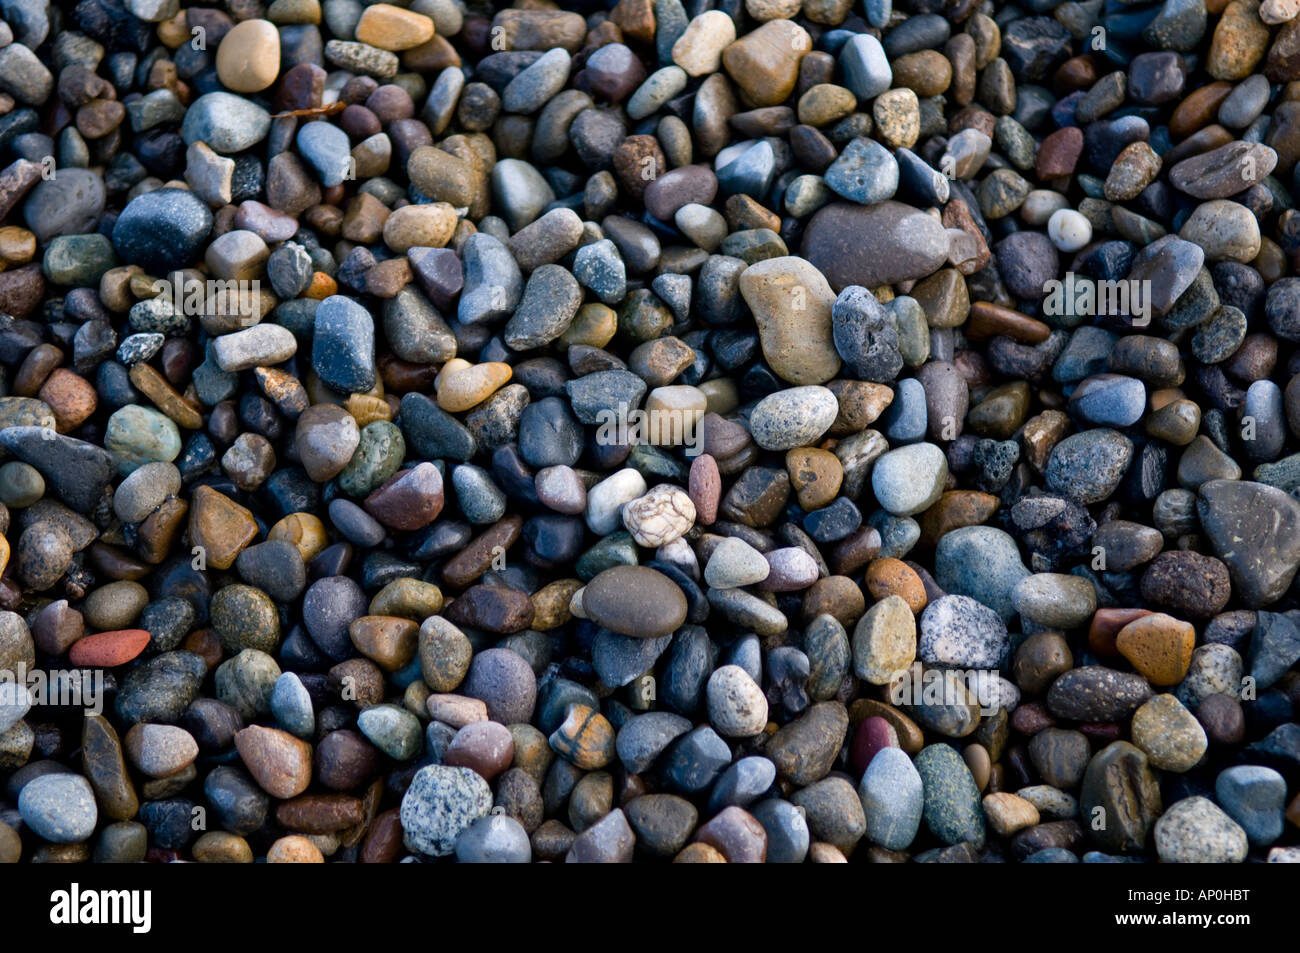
(656, 465)
(246, 681)
(78, 261)
(952, 801)
(617, 549)
(913, 330)
(245, 618)
(378, 456)
(1015, 142)
(20, 484)
(139, 435)
(394, 731)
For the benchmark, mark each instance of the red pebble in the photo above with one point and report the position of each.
(705, 488)
(108, 649)
(871, 736)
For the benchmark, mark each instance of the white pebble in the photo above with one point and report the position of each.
(1068, 230)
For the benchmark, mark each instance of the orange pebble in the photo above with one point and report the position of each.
(1159, 646)
(890, 577)
(1106, 624)
(321, 287)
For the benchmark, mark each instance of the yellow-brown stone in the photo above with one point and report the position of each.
(221, 526)
(388, 641)
(1159, 647)
(893, 577)
(462, 385)
(764, 63)
(408, 598)
(1041, 433)
(305, 531)
(392, 28)
(815, 476)
(955, 509)
(156, 387)
(551, 604)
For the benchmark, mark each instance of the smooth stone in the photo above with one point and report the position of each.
(952, 810)
(893, 799)
(910, 479)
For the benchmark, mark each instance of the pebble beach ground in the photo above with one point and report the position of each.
(666, 430)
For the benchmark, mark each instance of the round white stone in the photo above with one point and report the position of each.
(1068, 230)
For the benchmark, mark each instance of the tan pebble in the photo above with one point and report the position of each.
(456, 710)
(815, 475)
(699, 854)
(889, 577)
(977, 759)
(699, 49)
(222, 847)
(392, 28)
(823, 853)
(294, 849)
(429, 225)
(305, 531)
(17, 245)
(461, 385)
(1008, 813)
(248, 59)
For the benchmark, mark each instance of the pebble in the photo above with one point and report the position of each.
(737, 706)
(951, 802)
(959, 632)
(792, 303)
(910, 479)
(1195, 830)
(810, 233)
(634, 600)
(1171, 737)
(1253, 796)
(442, 803)
(893, 799)
(494, 840)
(794, 417)
(343, 345)
(59, 808)
(1096, 693)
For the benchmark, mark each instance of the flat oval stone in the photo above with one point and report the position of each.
(794, 417)
(636, 601)
(1225, 171)
(893, 799)
(1054, 599)
(1094, 693)
(874, 245)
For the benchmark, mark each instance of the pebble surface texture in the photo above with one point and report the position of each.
(651, 430)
